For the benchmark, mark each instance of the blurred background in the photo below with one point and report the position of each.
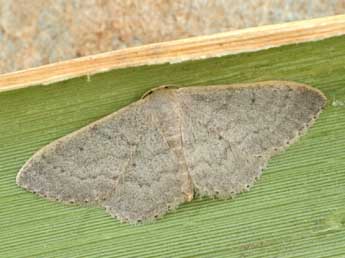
(37, 32)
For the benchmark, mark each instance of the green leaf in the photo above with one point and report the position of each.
(296, 209)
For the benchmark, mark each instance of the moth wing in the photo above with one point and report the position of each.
(156, 180)
(92, 164)
(76, 168)
(230, 132)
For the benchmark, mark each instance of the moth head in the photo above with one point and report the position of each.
(160, 88)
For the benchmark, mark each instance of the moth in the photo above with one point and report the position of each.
(173, 145)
